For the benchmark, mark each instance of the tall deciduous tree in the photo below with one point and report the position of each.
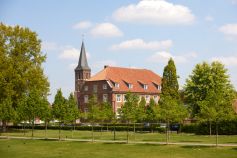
(20, 64)
(59, 109)
(73, 112)
(128, 110)
(205, 78)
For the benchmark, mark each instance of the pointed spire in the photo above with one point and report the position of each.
(82, 63)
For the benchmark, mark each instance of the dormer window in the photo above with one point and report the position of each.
(130, 86)
(159, 87)
(116, 85)
(145, 86)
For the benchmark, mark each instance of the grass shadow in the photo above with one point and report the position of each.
(196, 146)
(191, 141)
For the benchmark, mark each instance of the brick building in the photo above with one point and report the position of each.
(112, 83)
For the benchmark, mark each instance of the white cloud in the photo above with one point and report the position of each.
(49, 46)
(228, 61)
(138, 44)
(71, 54)
(106, 30)
(82, 25)
(163, 57)
(154, 12)
(209, 18)
(229, 29)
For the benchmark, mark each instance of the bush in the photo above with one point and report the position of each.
(202, 128)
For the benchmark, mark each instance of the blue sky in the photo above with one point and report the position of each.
(128, 33)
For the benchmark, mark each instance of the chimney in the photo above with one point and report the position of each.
(106, 66)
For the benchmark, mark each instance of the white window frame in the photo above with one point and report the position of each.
(147, 98)
(116, 85)
(155, 97)
(159, 87)
(130, 86)
(86, 99)
(104, 86)
(85, 88)
(145, 86)
(118, 97)
(105, 97)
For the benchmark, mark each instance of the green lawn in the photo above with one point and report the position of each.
(67, 149)
(152, 137)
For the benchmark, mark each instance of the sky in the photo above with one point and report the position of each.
(128, 33)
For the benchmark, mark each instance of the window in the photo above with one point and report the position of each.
(118, 98)
(155, 97)
(85, 98)
(124, 98)
(95, 88)
(105, 97)
(130, 86)
(86, 88)
(104, 86)
(145, 86)
(159, 87)
(147, 98)
(116, 85)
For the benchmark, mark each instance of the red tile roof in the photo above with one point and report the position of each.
(125, 76)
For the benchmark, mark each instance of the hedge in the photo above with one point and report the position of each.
(202, 128)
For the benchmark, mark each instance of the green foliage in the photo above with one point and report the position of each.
(94, 113)
(128, 110)
(59, 107)
(169, 83)
(106, 112)
(152, 111)
(21, 71)
(72, 110)
(208, 83)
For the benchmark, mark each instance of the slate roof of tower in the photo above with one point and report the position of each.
(125, 76)
(82, 63)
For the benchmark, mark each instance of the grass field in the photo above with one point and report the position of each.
(67, 149)
(145, 137)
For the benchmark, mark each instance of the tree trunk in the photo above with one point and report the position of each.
(210, 128)
(92, 130)
(4, 126)
(32, 128)
(134, 130)
(46, 125)
(107, 127)
(216, 133)
(114, 131)
(24, 128)
(127, 131)
(59, 134)
(167, 132)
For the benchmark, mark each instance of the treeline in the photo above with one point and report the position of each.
(207, 95)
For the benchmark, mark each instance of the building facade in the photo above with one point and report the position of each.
(112, 83)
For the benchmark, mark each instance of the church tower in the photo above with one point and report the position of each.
(82, 71)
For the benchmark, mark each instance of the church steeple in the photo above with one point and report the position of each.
(82, 63)
(82, 71)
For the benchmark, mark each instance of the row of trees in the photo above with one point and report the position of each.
(207, 95)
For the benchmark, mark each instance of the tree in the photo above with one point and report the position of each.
(171, 108)
(7, 113)
(206, 77)
(94, 112)
(215, 103)
(59, 109)
(152, 112)
(215, 108)
(20, 64)
(46, 114)
(72, 110)
(169, 83)
(128, 110)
